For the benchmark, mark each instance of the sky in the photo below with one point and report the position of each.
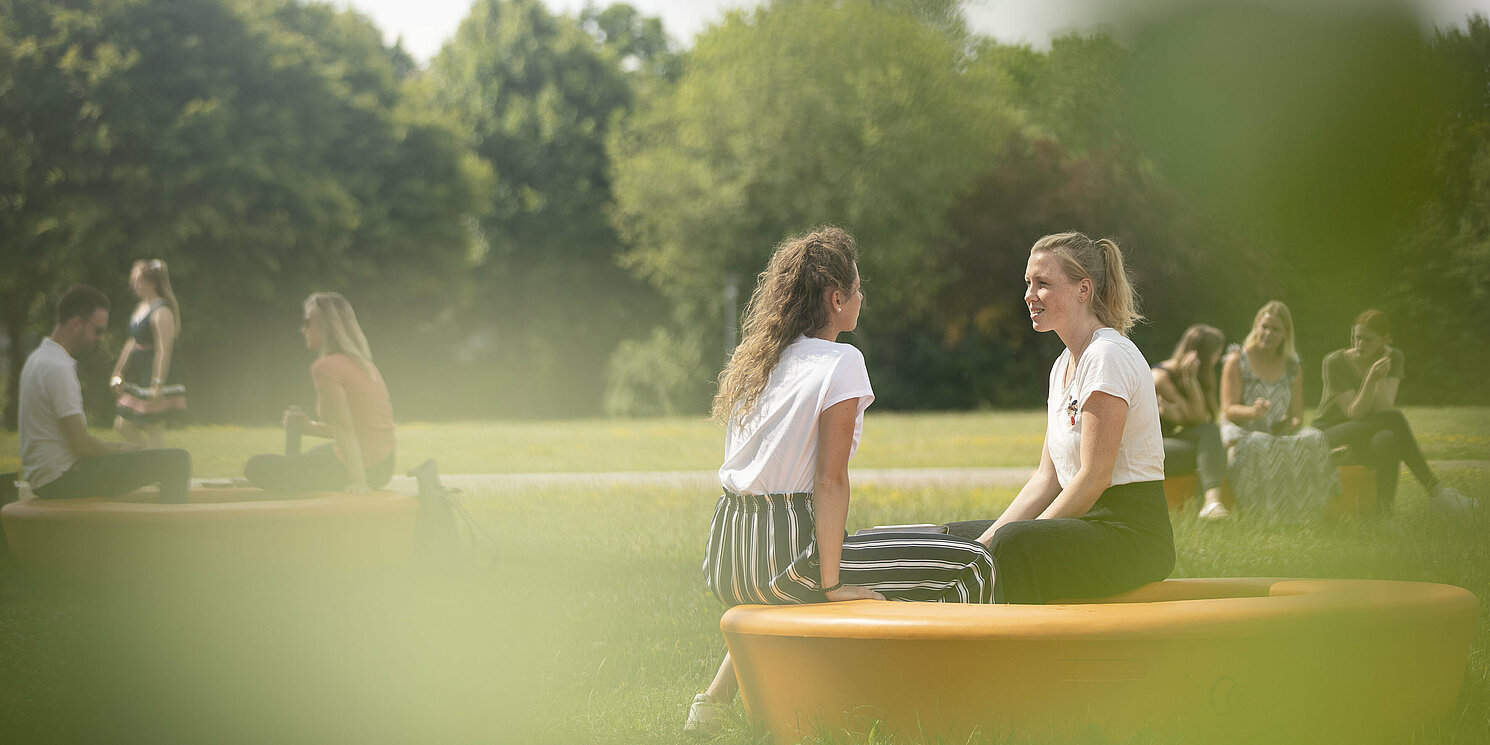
(424, 25)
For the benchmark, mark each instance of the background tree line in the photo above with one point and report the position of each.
(548, 219)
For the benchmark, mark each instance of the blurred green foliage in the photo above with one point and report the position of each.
(264, 149)
(546, 219)
(536, 94)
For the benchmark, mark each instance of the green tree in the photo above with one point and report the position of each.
(538, 94)
(264, 148)
(792, 115)
(1442, 260)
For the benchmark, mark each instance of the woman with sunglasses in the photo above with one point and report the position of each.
(353, 405)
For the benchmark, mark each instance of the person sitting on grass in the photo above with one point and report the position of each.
(61, 458)
(792, 399)
(1357, 411)
(1092, 521)
(1279, 468)
(1188, 407)
(353, 404)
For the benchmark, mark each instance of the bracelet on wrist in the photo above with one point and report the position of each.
(835, 586)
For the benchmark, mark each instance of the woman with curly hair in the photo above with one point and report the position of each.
(792, 399)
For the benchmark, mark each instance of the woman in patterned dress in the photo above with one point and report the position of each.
(1278, 468)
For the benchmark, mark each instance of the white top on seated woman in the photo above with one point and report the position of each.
(1092, 521)
(792, 399)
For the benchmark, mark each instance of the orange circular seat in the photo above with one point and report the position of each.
(1285, 660)
(214, 529)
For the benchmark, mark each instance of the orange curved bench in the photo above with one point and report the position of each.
(213, 529)
(1285, 660)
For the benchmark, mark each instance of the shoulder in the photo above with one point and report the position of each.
(1234, 355)
(330, 367)
(1397, 356)
(49, 356)
(1162, 377)
(823, 351)
(1115, 349)
(1334, 358)
(1232, 361)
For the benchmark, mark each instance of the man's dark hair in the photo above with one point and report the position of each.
(80, 301)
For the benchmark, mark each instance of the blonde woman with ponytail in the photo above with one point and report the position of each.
(352, 401)
(1279, 469)
(792, 400)
(1092, 521)
(146, 384)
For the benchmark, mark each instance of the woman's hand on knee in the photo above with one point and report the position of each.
(852, 592)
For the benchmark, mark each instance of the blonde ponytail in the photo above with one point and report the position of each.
(1114, 301)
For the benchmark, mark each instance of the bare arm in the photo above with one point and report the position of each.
(1102, 422)
(1231, 394)
(85, 444)
(164, 323)
(129, 346)
(1182, 403)
(830, 496)
(1365, 400)
(1386, 394)
(1032, 500)
(1295, 415)
(308, 426)
(338, 413)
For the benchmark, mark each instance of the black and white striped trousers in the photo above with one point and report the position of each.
(763, 550)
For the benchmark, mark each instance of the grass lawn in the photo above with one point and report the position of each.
(593, 626)
(693, 444)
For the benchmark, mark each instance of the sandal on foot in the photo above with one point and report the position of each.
(1214, 511)
(705, 716)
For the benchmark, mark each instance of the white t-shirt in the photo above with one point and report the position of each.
(775, 451)
(49, 392)
(1113, 365)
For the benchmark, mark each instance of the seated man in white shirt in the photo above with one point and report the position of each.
(61, 459)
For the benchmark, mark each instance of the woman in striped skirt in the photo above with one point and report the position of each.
(793, 401)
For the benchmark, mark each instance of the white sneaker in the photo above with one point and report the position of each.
(1214, 511)
(705, 716)
(1449, 500)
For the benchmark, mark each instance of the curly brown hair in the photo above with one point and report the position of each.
(787, 303)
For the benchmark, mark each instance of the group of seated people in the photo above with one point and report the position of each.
(1247, 428)
(1092, 521)
(61, 459)
(1251, 432)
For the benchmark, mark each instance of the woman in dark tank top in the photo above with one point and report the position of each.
(146, 382)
